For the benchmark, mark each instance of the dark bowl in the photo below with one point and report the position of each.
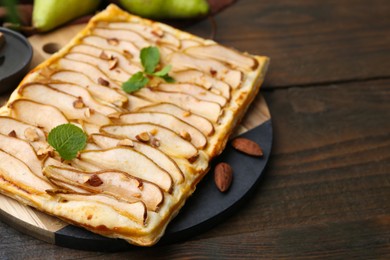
(15, 57)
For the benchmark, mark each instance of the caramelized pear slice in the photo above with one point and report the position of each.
(169, 142)
(113, 183)
(169, 121)
(8, 125)
(64, 102)
(160, 158)
(181, 61)
(92, 72)
(223, 54)
(194, 90)
(37, 114)
(136, 103)
(85, 96)
(204, 80)
(17, 172)
(209, 110)
(136, 212)
(23, 151)
(103, 93)
(130, 161)
(201, 123)
(125, 35)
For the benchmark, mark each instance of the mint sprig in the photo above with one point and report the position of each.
(67, 140)
(150, 59)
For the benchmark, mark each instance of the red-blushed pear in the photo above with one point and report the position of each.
(181, 61)
(207, 109)
(137, 211)
(128, 160)
(160, 158)
(100, 92)
(201, 123)
(204, 80)
(224, 54)
(183, 129)
(85, 96)
(68, 104)
(168, 141)
(113, 183)
(194, 90)
(17, 172)
(37, 114)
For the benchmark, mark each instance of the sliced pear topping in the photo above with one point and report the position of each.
(88, 70)
(130, 161)
(136, 103)
(170, 142)
(186, 43)
(17, 172)
(153, 33)
(121, 35)
(194, 90)
(125, 47)
(22, 130)
(84, 97)
(100, 92)
(204, 125)
(226, 55)
(64, 102)
(204, 80)
(168, 121)
(209, 110)
(135, 211)
(114, 183)
(160, 158)
(118, 74)
(37, 114)
(181, 61)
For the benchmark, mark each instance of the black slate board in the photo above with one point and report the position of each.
(207, 206)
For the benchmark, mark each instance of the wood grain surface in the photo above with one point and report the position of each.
(325, 194)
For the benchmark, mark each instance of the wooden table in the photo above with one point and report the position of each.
(326, 191)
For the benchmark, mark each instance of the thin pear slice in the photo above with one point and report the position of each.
(108, 57)
(204, 80)
(106, 94)
(160, 158)
(125, 35)
(116, 74)
(8, 124)
(169, 142)
(121, 46)
(152, 33)
(169, 121)
(194, 90)
(204, 125)
(17, 172)
(136, 212)
(136, 103)
(23, 151)
(130, 161)
(88, 70)
(37, 114)
(223, 54)
(64, 102)
(181, 61)
(113, 183)
(186, 43)
(209, 110)
(85, 96)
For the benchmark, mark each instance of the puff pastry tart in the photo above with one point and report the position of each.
(146, 151)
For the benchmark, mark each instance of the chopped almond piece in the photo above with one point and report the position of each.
(31, 134)
(113, 41)
(78, 103)
(143, 137)
(113, 63)
(103, 82)
(126, 142)
(12, 133)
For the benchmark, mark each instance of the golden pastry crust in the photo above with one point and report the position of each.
(158, 141)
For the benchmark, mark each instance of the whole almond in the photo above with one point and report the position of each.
(247, 146)
(223, 176)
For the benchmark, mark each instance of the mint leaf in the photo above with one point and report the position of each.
(136, 82)
(168, 79)
(150, 57)
(163, 72)
(67, 140)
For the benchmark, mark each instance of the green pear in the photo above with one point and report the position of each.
(48, 14)
(159, 9)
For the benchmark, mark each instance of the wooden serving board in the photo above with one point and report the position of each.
(199, 213)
